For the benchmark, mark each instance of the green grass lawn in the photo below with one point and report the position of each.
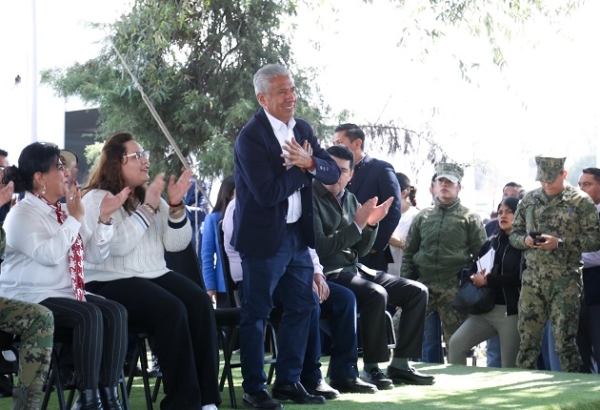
(456, 387)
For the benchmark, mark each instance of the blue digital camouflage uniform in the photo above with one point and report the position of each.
(35, 324)
(551, 283)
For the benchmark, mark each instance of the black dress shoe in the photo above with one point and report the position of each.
(355, 385)
(322, 389)
(261, 400)
(410, 376)
(296, 393)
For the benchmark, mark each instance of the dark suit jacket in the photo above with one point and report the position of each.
(263, 185)
(373, 177)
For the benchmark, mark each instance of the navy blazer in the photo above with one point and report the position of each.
(263, 185)
(374, 177)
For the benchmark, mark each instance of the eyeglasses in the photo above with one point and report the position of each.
(138, 155)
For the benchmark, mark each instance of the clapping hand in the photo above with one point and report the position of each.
(154, 191)
(6, 193)
(298, 155)
(74, 204)
(177, 190)
(370, 213)
(110, 203)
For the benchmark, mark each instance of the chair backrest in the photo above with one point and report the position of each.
(230, 285)
(186, 262)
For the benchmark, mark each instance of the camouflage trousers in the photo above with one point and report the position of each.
(549, 293)
(35, 324)
(441, 296)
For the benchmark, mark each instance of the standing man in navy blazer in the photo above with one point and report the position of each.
(372, 178)
(276, 158)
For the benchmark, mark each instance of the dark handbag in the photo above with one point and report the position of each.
(474, 300)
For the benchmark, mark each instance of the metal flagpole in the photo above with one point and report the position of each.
(160, 122)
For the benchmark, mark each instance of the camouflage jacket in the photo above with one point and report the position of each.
(571, 216)
(441, 241)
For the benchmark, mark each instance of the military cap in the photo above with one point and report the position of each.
(452, 172)
(68, 157)
(548, 168)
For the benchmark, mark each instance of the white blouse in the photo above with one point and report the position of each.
(137, 248)
(36, 265)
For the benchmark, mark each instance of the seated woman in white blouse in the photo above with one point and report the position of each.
(174, 309)
(45, 250)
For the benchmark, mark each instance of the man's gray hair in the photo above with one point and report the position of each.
(263, 77)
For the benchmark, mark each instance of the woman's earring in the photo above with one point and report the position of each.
(44, 190)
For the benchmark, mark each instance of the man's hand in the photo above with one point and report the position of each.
(550, 243)
(298, 155)
(379, 212)
(320, 287)
(363, 212)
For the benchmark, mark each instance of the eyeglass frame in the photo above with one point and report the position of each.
(138, 155)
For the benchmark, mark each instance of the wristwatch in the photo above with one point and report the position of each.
(560, 244)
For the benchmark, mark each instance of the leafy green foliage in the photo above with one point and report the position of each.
(496, 20)
(195, 60)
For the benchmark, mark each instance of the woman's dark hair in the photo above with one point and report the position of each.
(404, 182)
(107, 174)
(225, 194)
(36, 157)
(412, 195)
(511, 202)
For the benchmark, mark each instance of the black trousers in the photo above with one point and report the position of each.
(373, 294)
(180, 317)
(99, 337)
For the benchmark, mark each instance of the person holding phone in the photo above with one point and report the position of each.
(553, 224)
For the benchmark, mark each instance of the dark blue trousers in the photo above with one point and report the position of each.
(340, 310)
(291, 270)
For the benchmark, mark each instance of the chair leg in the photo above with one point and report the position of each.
(70, 398)
(140, 353)
(124, 394)
(228, 344)
(156, 389)
(54, 382)
(271, 334)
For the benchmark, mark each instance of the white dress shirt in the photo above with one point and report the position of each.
(285, 132)
(36, 264)
(235, 261)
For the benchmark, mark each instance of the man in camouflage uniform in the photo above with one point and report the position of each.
(440, 242)
(554, 224)
(35, 324)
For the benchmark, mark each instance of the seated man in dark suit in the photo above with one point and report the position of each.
(345, 230)
(372, 177)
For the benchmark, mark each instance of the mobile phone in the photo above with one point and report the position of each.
(534, 235)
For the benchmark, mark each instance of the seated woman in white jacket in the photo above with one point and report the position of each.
(45, 250)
